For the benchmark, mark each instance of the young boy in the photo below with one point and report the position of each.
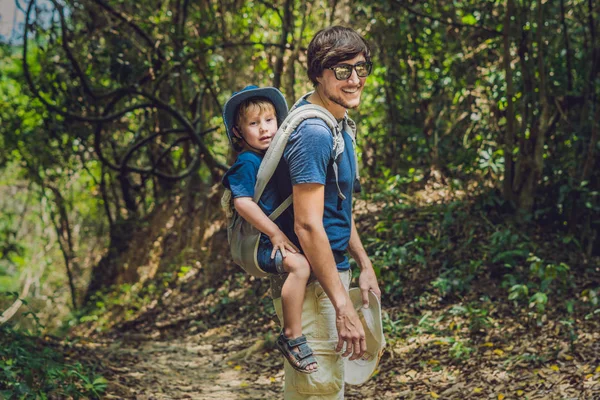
(251, 118)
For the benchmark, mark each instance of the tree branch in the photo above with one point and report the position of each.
(402, 4)
(12, 310)
(65, 46)
(272, 7)
(129, 21)
(54, 108)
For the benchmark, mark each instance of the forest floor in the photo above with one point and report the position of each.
(215, 341)
(190, 349)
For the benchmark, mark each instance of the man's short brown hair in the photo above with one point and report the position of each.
(332, 45)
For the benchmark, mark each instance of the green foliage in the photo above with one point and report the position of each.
(452, 250)
(445, 327)
(508, 248)
(119, 303)
(477, 316)
(458, 279)
(536, 285)
(31, 368)
(459, 349)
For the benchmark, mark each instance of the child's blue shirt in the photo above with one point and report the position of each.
(241, 179)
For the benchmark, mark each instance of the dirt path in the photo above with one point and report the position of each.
(200, 366)
(195, 367)
(215, 349)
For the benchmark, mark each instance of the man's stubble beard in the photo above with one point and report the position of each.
(340, 102)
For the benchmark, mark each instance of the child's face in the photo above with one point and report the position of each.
(258, 127)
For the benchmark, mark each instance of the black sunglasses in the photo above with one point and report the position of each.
(344, 71)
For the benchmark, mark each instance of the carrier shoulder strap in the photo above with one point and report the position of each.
(273, 155)
(350, 127)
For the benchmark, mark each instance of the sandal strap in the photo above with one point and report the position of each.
(304, 352)
(299, 359)
(300, 340)
(305, 362)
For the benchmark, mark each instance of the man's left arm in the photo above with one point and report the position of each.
(367, 279)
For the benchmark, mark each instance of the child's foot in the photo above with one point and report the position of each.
(298, 353)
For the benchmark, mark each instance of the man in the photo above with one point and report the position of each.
(338, 65)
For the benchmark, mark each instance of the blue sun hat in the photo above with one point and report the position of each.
(231, 107)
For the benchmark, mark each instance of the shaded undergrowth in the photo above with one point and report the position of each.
(34, 367)
(477, 302)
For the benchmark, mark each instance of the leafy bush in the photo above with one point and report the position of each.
(31, 369)
(538, 284)
(478, 316)
(449, 249)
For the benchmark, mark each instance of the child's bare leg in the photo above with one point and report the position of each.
(292, 295)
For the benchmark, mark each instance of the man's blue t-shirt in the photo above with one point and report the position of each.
(307, 159)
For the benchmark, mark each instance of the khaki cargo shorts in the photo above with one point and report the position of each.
(318, 325)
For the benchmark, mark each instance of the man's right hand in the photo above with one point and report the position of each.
(351, 332)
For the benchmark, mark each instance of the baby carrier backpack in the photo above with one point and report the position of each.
(242, 236)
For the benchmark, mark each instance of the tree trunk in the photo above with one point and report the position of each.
(509, 136)
(529, 165)
(391, 107)
(538, 130)
(286, 28)
(567, 46)
(106, 272)
(290, 91)
(589, 161)
(65, 241)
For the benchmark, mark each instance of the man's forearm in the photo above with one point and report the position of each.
(357, 250)
(308, 224)
(368, 279)
(315, 244)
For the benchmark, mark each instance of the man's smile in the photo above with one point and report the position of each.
(351, 90)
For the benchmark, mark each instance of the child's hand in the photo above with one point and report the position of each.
(282, 243)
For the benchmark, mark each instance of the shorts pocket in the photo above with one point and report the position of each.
(327, 380)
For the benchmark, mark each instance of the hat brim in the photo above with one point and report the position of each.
(359, 371)
(271, 93)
